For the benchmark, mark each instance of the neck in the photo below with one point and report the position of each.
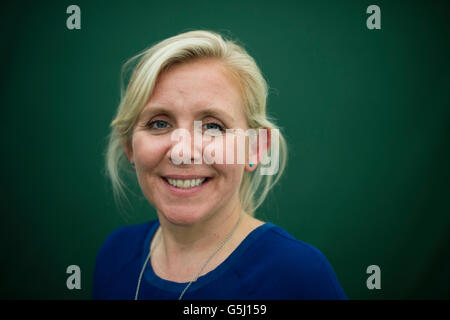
(187, 247)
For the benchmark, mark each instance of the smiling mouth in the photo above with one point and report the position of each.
(186, 183)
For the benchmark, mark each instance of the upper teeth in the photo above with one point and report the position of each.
(186, 183)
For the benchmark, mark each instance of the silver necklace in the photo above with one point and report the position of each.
(198, 273)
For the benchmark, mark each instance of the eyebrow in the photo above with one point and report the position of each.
(210, 111)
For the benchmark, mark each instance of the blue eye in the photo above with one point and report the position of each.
(215, 126)
(157, 124)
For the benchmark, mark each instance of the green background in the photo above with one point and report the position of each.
(366, 114)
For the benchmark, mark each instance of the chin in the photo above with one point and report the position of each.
(183, 217)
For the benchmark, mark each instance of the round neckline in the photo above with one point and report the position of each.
(151, 278)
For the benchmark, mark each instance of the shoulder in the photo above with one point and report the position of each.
(124, 238)
(292, 253)
(121, 246)
(301, 269)
(291, 248)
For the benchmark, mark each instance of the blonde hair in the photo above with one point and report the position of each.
(183, 48)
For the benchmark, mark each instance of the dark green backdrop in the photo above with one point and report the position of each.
(366, 115)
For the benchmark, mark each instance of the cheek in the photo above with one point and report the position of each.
(232, 155)
(148, 150)
(230, 185)
(235, 149)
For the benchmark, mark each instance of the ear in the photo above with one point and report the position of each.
(254, 165)
(128, 149)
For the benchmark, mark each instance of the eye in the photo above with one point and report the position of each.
(157, 124)
(214, 126)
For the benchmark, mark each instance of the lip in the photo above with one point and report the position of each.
(185, 177)
(185, 192)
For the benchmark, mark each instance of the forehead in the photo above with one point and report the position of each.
(191, 86)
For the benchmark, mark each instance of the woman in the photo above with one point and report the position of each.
(206, 242)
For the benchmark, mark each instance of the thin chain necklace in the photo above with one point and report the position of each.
(198, 273)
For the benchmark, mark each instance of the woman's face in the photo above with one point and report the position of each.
(183, 94)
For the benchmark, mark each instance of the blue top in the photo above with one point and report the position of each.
(268, 264)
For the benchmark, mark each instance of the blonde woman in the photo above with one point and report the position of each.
(207, 242)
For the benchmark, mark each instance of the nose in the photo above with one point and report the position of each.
(186, 144)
